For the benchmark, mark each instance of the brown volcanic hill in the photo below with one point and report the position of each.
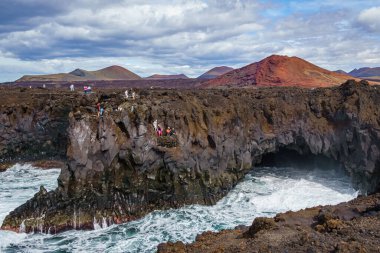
(50, 78)
(160, 77)
(109, 73)
(215, 72)
(278, 70)
(115, 73)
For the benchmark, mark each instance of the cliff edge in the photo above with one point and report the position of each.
(119, 170)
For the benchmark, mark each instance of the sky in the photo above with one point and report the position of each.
(178, 36)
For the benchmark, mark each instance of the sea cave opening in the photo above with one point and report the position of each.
(288, 163)
(281, 182)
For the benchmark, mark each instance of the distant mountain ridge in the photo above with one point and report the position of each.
(109, 73)
(277, 70)
(365, 72)
(273, 70)
(339, 71)
(158, 77)
(215, 72)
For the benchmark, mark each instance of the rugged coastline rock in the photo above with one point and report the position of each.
(117, 172)
(347, 227)
(33, 123)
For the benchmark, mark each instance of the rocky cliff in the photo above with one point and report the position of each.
(33, 123)
(118, 170)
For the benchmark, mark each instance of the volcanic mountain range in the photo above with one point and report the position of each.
(274, 70)
(109, 73)
(366, 73)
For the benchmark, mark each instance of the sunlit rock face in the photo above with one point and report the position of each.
(117, 170)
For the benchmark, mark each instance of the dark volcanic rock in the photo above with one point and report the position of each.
(347, 227)
(117, 171)
(33, 123)
(188, 83)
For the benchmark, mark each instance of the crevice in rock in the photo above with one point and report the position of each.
(211, 142)
(123, 128)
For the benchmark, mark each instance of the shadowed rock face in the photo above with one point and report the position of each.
(33, 124)
(115, 169)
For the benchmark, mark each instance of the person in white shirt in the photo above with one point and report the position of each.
(126, 94)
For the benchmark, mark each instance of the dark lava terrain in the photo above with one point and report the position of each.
(117, 167)
(352, 227)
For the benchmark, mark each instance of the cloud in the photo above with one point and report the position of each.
(188, 36)
(369, 18)
(134, 27)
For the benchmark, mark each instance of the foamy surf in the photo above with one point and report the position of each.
(264, 192)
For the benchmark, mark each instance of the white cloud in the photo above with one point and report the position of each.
(370, 18)
(189, 36)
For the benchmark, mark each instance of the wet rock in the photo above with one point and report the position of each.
(118, 168)
(260, 224)
(295, 232)
(42, 191)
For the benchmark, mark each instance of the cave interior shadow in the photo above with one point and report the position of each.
(289, 163)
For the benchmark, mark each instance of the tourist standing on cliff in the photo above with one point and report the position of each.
(126, 94)
(101, 112)
(72, 87)
(98, 107)
(155, 125)
(133, 95)
(159, 131)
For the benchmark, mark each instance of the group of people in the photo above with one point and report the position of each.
(169, 131)
(87, 89)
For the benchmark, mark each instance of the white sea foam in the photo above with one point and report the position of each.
(96, 224)
(265, 192)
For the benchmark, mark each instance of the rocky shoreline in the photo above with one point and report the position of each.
(117, 171)
(349, 227)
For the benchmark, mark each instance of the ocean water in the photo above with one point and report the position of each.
(264, 192)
